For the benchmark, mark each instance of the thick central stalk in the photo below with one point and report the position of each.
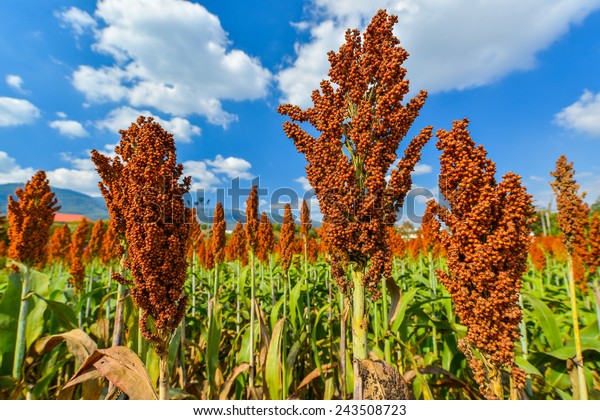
(583, 395)
(359, 329)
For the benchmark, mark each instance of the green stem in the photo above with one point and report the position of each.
(583, 394)
(252, 320)
(359, 329)
(163, 382)
(21, 326)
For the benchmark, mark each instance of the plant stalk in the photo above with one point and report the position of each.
(22, 325)
(583, 394)
(163, 381)
(252, 320)
(359, 329)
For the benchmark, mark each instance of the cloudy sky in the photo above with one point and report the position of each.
(73, 73)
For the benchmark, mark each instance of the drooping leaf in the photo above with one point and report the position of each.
(122, 367)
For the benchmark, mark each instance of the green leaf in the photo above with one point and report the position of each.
(527, 366)
(65, 315)
(213, 343)
(406, 299)
(546, 321)
(273, 364)
(568, 350)
(9, 315)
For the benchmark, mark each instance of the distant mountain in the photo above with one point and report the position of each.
(71, 201)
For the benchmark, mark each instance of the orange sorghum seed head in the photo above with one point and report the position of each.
(252, 219)
(487, 242)
(362, 116)
(144, 196)
(236, 248)
(217, 236)
(94, 247)
(112, 251)
(266, 238)
(30, 217)
(572, 210)
(538, 259)
(77, 275)
(286, 240)
(305, 222)
(60, 244)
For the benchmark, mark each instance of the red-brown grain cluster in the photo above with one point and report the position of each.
(144, 196)
(305, 222)
(94, 247)
(266, 238)
(251, 227)
(216, 250)
(286, 240)
(593, 252)
(112, 251)
(30, 217)
(486, 244)
(60, 244)
(236, 247)
(361, 116)
(537, 256)
(572, 216)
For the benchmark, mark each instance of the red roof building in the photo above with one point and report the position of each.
(68, 218)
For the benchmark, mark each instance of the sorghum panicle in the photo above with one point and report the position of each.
(286, 240)
(305, 222)
(486, 244)
(94, 247)
(217, 237)
(266, 238)
(145, 199)
(112, 251)
(361, 116)
(572, 217)
(30, 217)
(236, 248)
(251, 227)
(60, 244)
(79, 240)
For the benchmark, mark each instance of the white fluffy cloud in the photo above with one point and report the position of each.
(170, 55)
(82, 179)
(15, 112)
(77, 19)
(421, 169)
(15, 82)
(11, 172)
(303, 181)
(582, 116)
(208, 174)
(121, 118)
(454, 44)
(231, 166)
(69, 128)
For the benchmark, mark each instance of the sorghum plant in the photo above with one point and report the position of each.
(217, 236)
(362, 116)
(286, 240)
(30, 217)
(144, 195)
(266, 239)
(236, 247)
(94, 247)
(572, 222)
(486, 242)
(59, 245)
(251, 230)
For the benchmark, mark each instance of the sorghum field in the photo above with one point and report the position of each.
(486, 299)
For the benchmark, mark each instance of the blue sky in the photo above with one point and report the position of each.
(213, 72)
